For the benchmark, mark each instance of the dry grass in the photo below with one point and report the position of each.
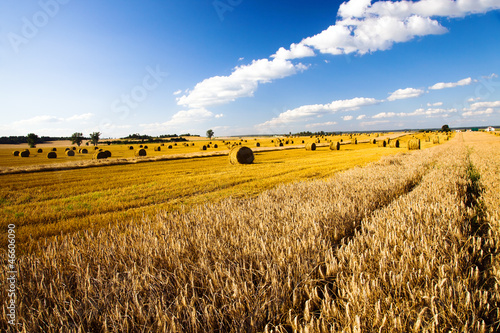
(241, 155)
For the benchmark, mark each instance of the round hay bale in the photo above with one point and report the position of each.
(40, 150)
(131, 147)
(257, 144)
(163, 145)
(291, 142)
(145, 147)
(303, 141)
(208, 146)
(15, 153)
(341, 140)
(140, 146)
(435, 140)
(286, 142)
(203, 147)
(54, 149)
(170, 147)
(70, 153)
(52, 154)
(335, 145)
(241, 155)
(108, 153)
(157, 148)
(374, 141)
(355, 141)
(279, 144)
(382, 143)
(25, 153)
(84, 151)
(66, 149)
(272, 141)
(97, 148)
(192, 144)
(140, 152)
(100, 155)
(394, 144)
(216, 146)
(414, 144)
(311, 146)
(74, 148)
(175, 144)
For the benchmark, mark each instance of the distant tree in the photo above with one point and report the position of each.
(32, 139)
(445, 128)
(210, 134)
(77, 138)
(94, 138)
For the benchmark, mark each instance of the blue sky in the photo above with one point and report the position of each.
(246, 67)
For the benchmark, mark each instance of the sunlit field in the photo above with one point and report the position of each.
(361, 239)
(47, 203)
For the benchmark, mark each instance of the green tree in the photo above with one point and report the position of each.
(32, 139)
(77, 138)
(210, 134)
(94, 138)
(445, 128)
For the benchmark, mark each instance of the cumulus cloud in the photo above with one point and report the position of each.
(177, 92)
(296, 51)
(361, 27)
(435, 104)
(471, 113)
(443, 85)
(182, 118)
(242, 82)
(328, 123)
(429, 113)
(317, 110)
(347, 118)
(360, 117)
(405, 93)
(481, 109)
(479, 105)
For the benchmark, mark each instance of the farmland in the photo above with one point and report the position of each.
(47, 203)
(304, 241)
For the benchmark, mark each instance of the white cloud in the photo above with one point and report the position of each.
(428, 113)
(479, 105)
(405, 93)
(384, 115)
(488, 111)
(48, 119)
(317, 110)
(242, 82)
(181, 118)
(241, 58)
(347, 118)
(85, 116)
(220, 115)
(443, 85)
(361, 27)
(177, 92)
(296, 51)
(328, 123)
(435, 104)
(472, 99)
(361, 116)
